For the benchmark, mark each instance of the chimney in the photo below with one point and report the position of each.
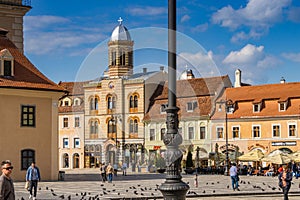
(282, 80)
(238, 77)
(144, 70)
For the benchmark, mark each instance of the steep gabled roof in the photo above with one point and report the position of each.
(26, 75)
(202, 90)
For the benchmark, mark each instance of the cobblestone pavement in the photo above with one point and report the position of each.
(86, 184)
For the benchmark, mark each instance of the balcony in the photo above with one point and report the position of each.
(26, 3)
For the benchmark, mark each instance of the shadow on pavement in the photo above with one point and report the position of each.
(97, 177)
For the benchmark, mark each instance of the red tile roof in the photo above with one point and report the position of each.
(269, 95)
(26, 75)
(74, 89)
(201, 90)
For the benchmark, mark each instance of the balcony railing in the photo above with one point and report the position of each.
(26, 3)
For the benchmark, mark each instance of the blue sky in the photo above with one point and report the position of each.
(215, 37)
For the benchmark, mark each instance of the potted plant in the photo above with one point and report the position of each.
(189, 163)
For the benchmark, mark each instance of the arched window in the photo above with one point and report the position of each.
(94, 103)
(94, 127)
(133, 103)
(65, 160)
(111, 102)
(27, 157)
(133, 128)
(111, 128)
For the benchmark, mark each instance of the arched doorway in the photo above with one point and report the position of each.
(111, 154)
(76, 160)
(65, 163)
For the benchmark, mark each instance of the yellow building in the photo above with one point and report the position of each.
(264, 117)
(28, 106)
(115, 106)
(71, 126)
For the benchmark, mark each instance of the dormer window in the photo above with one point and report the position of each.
(256, 107)
(191, 106)
(282, 106)
(6, 63)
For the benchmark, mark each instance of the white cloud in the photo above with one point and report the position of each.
(253, 61)
(257, 15)
(201, 62)
(295, 57)
(185, 18)
(146, 11)
(40, 21)
(248, 54)
(200, 28)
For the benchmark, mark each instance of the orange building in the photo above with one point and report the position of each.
(264, 117)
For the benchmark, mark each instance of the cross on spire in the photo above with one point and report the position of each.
(120, 20)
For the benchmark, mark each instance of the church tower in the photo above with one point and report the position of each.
(120, 52)
(11, 19)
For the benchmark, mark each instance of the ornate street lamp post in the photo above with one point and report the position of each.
(197, 159)
(228, 105)
(173, 188)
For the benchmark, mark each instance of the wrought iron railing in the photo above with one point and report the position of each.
(16, 2)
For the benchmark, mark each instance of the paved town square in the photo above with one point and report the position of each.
(86, 184)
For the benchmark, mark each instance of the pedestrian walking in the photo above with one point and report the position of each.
(109, 172)
(196, 181)
(33, 176)
(234, 177)
(103, 172)
(7, 191)
(285, 178)
(124, 168)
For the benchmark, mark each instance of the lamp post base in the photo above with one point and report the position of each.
(174, 190)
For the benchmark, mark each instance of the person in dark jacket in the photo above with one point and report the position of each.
(7, 191)
(33, 176)
(285, 178)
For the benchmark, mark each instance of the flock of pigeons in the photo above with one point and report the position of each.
(144, 192)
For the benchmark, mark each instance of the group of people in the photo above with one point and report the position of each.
(7, 191)
(107, 171)
(284, 178)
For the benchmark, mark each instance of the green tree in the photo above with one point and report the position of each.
(189, 160)
(160, 162)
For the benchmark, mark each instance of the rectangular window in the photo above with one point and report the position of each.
(276, 130)
(76, 142)
(28, 116)
(292, 130)
(152, 134)
(65, 122)
(202, 132)
(162, 133)
(65, 142)
(235, 132)
(27, 157)
(282, 106)
(191, 133)
(256, 107)
(191, 106)
(220, 131)
(77, 124)
(256, 131)
(7, 68)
